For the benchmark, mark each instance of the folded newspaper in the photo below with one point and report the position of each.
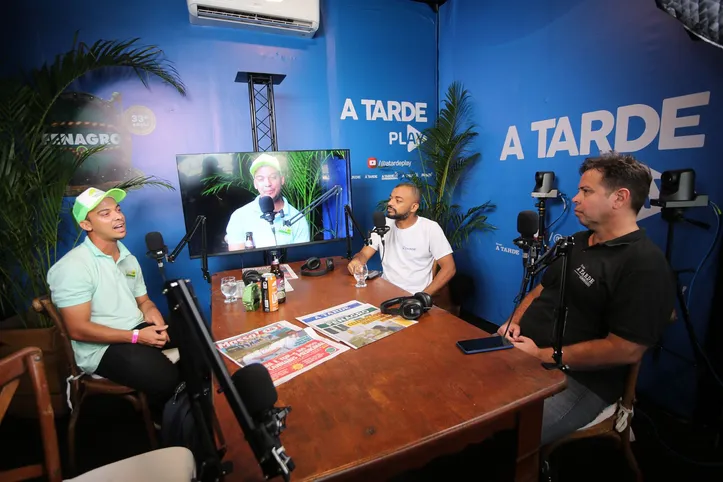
(355, 323)
(284, 349)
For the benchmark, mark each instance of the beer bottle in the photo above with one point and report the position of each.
(280, 283)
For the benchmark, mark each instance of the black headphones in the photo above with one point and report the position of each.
(410, 307)
(312, 265)
(251, 276)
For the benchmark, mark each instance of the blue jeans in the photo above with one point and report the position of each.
(569, 410)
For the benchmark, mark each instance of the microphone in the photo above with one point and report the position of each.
(267, 208)
(256, 389)
(157, 250)
(527, 224)
(380, 224)
(527, 227)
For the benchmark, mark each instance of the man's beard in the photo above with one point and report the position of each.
(396, 216)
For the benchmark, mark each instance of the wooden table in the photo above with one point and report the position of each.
(395, 404)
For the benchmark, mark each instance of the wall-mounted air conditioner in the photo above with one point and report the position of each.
(293, 17)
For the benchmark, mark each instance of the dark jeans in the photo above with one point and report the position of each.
(143, 368)
(569, 410)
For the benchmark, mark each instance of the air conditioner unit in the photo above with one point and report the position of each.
(293, 17)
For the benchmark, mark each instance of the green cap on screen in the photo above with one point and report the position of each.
(264, 160)
(90, 198)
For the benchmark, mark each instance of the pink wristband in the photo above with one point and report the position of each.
(135, 336)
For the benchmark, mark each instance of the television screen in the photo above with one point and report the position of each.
(259, 200)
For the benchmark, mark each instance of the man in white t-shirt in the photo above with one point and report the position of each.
(411, 246)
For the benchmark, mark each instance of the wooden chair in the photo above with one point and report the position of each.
(169, 464)
(605, 425)
(82, 385)
(13, 367)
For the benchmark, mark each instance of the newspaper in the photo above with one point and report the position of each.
(355, 323)
(285, 268)
(284, 349)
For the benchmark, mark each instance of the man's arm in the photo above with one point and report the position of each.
(589, 355)
(447, 269)
(361, 258)
(80, 328)
(514, 330)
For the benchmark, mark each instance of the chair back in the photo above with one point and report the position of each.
(12, 368)
(44, 306)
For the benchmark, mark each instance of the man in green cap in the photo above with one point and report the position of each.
(268, 181)
(116, 330)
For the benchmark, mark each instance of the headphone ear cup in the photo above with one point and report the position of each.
(329, 264)
(313, 263)
(425, 299)
(411, 308)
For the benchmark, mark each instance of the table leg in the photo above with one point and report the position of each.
(529, 429)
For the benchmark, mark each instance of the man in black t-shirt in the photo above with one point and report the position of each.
(621, 296)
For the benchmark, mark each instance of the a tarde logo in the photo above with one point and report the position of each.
(505, 249)
(596, 127)
(391, 111)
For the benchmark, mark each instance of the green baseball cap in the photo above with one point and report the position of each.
(90, 198)
(264, 160)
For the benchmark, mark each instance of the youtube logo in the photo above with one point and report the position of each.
(372, 162)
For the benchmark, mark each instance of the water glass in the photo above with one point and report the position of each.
(360, 274)
(229, 289)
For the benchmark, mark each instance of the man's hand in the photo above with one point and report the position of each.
(513, 333)
(154, 317)
(527, 345)
(153, 335)
(353, 264)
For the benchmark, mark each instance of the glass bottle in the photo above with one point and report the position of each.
(280, 283)
(249, 244)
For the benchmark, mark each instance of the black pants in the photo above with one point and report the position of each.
(143, 368)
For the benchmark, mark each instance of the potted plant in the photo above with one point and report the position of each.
(36, 169)
(446, 159)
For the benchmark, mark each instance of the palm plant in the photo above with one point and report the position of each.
(446, 157)
(36, 171)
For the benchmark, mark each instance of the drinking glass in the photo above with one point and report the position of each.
(360, 274)
(228, 288)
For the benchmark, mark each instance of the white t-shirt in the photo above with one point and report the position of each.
(409, 254)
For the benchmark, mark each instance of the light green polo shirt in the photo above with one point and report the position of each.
(87, 274)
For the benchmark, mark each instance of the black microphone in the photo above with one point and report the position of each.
(256, 389)
(380, 224)
(267, 208)
(527, 227)
(527, 224)
(157, 250)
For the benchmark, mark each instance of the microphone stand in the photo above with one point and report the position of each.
(199, 360)
(349, 215)
(334, 191)
(562, 249)
(541, 206)
(200, 221)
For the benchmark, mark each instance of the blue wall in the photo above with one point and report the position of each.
(529, 61)
(366, 49)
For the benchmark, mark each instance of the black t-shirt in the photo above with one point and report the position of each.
(623, 286)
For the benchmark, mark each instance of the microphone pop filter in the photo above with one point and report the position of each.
(527, 223)
(255, 387)
(379, 219)
(154, 242)
(266, 204)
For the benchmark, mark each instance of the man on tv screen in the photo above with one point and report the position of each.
(268, 180)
